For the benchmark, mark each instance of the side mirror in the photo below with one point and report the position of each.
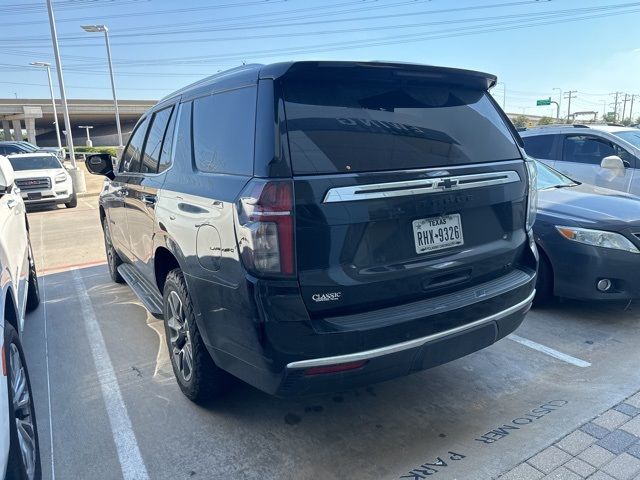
(7, 177)
(614, 164)
(100, 164)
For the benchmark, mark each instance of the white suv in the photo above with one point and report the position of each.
(42, 179)
(602, 155)
(19, 447)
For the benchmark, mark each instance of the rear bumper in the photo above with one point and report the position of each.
(403, 339)
(401, 359)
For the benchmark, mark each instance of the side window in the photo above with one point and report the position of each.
(586, 149)
(628, 158)
(153, 145)
(224, 131)
(540, 146)
(131, 158)
(167, 144)
(183, 137)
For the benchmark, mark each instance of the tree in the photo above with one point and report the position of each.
(609, 118)
(545, 121)
(520, 121)
(626, 122)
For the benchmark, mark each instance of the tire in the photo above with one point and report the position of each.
(203, 379)
(73, 203)
(544, 282)
(21, 447)
(33, 292)
(113, 259)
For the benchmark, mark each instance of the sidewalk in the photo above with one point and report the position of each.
(606, 448)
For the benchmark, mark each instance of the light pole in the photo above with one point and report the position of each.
(105, 30)
(53, 98)
(87, 128)
(76, 175)
(559, 101)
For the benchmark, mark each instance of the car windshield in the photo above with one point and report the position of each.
(549, 178)
(630, 136)
(34, 163)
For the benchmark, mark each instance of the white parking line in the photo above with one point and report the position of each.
(131, 462)
(46, 354)
(550, 351)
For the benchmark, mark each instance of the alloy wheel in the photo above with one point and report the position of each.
(180, 337)
(23, 411)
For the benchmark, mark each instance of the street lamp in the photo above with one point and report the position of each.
(53, 98)
(87, 128)
(105, 30)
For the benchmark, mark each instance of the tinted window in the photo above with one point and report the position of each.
(167, 144)
(540, 146)
(224, 130)
(183, 138)
(34, 163)
(348, 126)
(154, 141)
(131, 158)
(591, 150)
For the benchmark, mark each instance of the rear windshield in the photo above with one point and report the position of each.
(349, 126)
(34, 163)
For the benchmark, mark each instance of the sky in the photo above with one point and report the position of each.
(535, 47)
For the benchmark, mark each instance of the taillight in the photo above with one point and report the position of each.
(265, 227)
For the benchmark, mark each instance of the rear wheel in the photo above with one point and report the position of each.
(113, 259)
(33, 292)
(198, 376)
(544, 282)
(73, 203)
(24, 448)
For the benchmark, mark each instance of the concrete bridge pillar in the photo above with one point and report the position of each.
(30, 124)
(6, 128)
(17, 130)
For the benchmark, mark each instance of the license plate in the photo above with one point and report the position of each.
(34, 196)
(437, 233)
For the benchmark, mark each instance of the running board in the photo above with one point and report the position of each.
(146, 292)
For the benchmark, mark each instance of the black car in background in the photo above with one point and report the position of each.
(316, 226)
(588, 238)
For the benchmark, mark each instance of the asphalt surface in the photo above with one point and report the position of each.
(108, 405)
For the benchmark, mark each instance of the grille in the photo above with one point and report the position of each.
(33, 183)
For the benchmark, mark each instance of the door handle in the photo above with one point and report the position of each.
(11, 203)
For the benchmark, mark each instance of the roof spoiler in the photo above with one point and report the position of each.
(312, 70)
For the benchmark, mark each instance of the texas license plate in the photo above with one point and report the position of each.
(34, 196)
(437, 233)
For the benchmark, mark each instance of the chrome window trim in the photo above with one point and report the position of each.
(418, 342)
(417, 187)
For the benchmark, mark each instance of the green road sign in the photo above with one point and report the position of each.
(545, 101)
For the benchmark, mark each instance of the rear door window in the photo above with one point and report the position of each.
(590, 150)
(131, 159)
(540, 146)
(224, 131)
(348, 126)
(153, 145)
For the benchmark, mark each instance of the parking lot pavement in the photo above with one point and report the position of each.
(108, 406)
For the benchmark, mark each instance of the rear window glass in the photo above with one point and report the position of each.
(354, 127)
(224, 130)
(540, 146)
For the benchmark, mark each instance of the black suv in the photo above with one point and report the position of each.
(317, 226)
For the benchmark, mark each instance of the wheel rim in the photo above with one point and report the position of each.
(179, 337)
(109, 249)
(23, 411)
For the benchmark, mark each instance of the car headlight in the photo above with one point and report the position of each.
(61, 177)
(532, 201)
(598, 238)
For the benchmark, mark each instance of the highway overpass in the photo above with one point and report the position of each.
(36, 117)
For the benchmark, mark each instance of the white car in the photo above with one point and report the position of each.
(19, 447)
(42, 179)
